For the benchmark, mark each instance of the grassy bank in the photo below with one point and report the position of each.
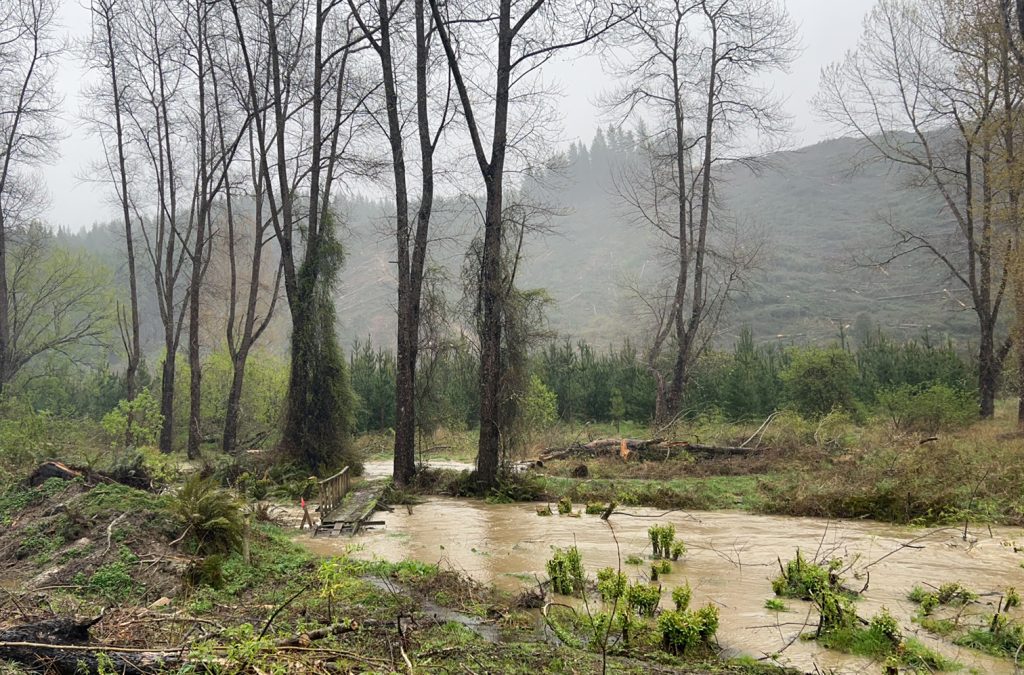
(81, 550)
(832, 467)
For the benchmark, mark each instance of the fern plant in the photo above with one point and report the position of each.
(210, 515)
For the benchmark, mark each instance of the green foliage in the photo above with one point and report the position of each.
(643, 598)
(884, 625)
(816, 381)
(804, 580)
(134, 423)
(927, 408)
(678, 550)
(1002, 637)
(113, 582)
(681, 596)
(540, 407)
(596, 508)
(1011, 599)
(263, 397)
(616, 407)
(683, 631)
(633, 559)
(588, 385)
(212, 516)
(566, 571)
(320, 410)
(24, 435)
(874, 644)
(564, 505)
(752, 385)
(955, 594)
(611, 584)
(373, 373)
(663, 567)
(662, 538)
(775, 605)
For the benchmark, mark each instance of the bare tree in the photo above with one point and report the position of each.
(411, 242)
(216, 132)
(102, 53)
(922, 91)
(28, 108)
(692, 68)
(154, 100)
(494, 50)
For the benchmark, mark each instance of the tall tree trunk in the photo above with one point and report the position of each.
(489, 450)
(167, 394)
(133, 344)
(5, 309)
(230, 440)
(195, 431)
(988, 372)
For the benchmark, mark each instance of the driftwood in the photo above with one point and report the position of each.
(654, 449)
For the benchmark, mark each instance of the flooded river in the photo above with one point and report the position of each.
(731, 559)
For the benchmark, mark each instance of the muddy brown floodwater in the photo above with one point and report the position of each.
(731, 559)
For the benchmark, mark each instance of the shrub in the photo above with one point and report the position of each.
(565, 505)
(1012, 598)
(816, 381)
(540, 408)
(678, 550)
(681, 596)
(643, 598)
(23, 435)
(134, 423)
(611, 585)
(682, 631)
(566, 571)
(927, 408)
(662, 538)
(885, 625)
(211, 516)
(803, 579)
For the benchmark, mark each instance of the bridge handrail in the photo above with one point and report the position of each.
(333, 490)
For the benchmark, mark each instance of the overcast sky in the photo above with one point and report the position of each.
(827, 29)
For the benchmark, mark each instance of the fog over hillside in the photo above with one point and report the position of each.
(813, 214)
(817, 217)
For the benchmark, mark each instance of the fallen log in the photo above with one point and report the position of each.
(61, 646)
(48, 470)
(654, 449)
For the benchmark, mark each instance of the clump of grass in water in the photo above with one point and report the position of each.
(883, 639)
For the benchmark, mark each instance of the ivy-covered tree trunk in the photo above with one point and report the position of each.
(319, 418)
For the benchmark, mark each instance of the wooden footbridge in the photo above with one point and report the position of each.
(344, 510)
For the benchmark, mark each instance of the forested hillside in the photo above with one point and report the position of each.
(817, 210)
